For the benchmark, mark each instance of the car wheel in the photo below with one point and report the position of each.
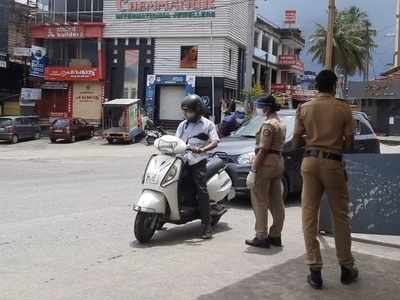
(91, 134)
(73, 139)
(285, 189)
(14, 139)
(110, 141)
(53, 140)
(37, 136)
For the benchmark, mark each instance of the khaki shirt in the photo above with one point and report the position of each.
(325, 121)
(271, 135)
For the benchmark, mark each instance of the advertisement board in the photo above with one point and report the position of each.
(87, 100)
(39, 61)
(72, 74)
(189, 55)
(31, 94)
(290, 17)
(19, 51)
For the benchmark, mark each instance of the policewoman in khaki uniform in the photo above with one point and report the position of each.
(327, 124)
(264, 179)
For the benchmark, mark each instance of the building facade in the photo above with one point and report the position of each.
(14, 34)
(380, 100)
(276, 61)
(72, 74)
(159, 51)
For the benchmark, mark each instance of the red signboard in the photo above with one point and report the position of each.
(291, 61)
(68, 31)
(290, 17)
(72, 74)
(280, 88)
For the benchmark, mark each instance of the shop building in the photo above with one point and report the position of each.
(14, 38)
(276, 61)
(159, 51)
(71, 72)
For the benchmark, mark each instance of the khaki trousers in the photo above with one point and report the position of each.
(319, 176)
(267, 195)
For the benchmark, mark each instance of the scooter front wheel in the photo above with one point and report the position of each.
(145, 226)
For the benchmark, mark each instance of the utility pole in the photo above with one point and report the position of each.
(397, 53)
(329, 37)
(250, 49)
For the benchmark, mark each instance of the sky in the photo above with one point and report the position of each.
(311, 12)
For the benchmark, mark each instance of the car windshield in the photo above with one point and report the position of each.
(250, 128)
(60, 123)
(5, 122)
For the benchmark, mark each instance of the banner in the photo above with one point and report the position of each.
(39, 61)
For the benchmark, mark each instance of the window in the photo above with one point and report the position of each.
(265, 43)
(362, 128)
(273, 76)
(256, 37)
(275, 46)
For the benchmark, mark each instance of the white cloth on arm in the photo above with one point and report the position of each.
(188, 130)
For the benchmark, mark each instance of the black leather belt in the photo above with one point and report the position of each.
(323, 154)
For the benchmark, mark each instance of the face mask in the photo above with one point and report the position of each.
(190, 116)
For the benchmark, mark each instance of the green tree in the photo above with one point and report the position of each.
(354, 41)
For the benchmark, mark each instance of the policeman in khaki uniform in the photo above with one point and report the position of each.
(327, 124)
(264, 179)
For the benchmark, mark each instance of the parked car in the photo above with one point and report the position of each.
(238, 149)
(70, 129)
(16, 128)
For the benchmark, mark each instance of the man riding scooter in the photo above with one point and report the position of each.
(188, 130)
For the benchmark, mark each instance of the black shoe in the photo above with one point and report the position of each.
(256, 242)
(349, 275)
(207, 232)
(315, 279)
(275, 241)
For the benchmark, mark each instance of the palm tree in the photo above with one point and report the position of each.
(353, 42)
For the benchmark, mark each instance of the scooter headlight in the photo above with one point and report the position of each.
(170, 176)
(246, 158)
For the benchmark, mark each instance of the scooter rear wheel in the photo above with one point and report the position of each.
(145, 226)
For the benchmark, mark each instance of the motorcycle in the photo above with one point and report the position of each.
(169, 195)
(152, 132)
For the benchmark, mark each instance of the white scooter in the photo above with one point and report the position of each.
(168, 194)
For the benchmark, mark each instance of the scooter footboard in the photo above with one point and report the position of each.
(151, 202)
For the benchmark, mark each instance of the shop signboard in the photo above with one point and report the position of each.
(55, 85)
(66, 32)
(87, 100)
(39, 61)
(163, 9)
(20, 51)
(72, 74)
(290, 17)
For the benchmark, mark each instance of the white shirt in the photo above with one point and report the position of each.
(188, 130)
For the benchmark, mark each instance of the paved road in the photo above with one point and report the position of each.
(66, 233)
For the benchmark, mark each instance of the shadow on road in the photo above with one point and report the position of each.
(379, 279)
(188, 234)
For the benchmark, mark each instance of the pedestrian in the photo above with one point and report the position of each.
(264, 179)
(201, 135)
(327, 125)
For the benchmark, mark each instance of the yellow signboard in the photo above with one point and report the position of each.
(87, 100)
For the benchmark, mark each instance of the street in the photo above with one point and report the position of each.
(66, 232)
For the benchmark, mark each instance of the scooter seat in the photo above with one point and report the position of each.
(214, 165)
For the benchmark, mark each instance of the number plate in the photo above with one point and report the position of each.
(151, 178)
(58, 130)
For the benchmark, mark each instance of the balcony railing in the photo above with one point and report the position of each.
(80, 16)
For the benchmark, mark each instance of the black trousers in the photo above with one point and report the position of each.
(198, 172)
